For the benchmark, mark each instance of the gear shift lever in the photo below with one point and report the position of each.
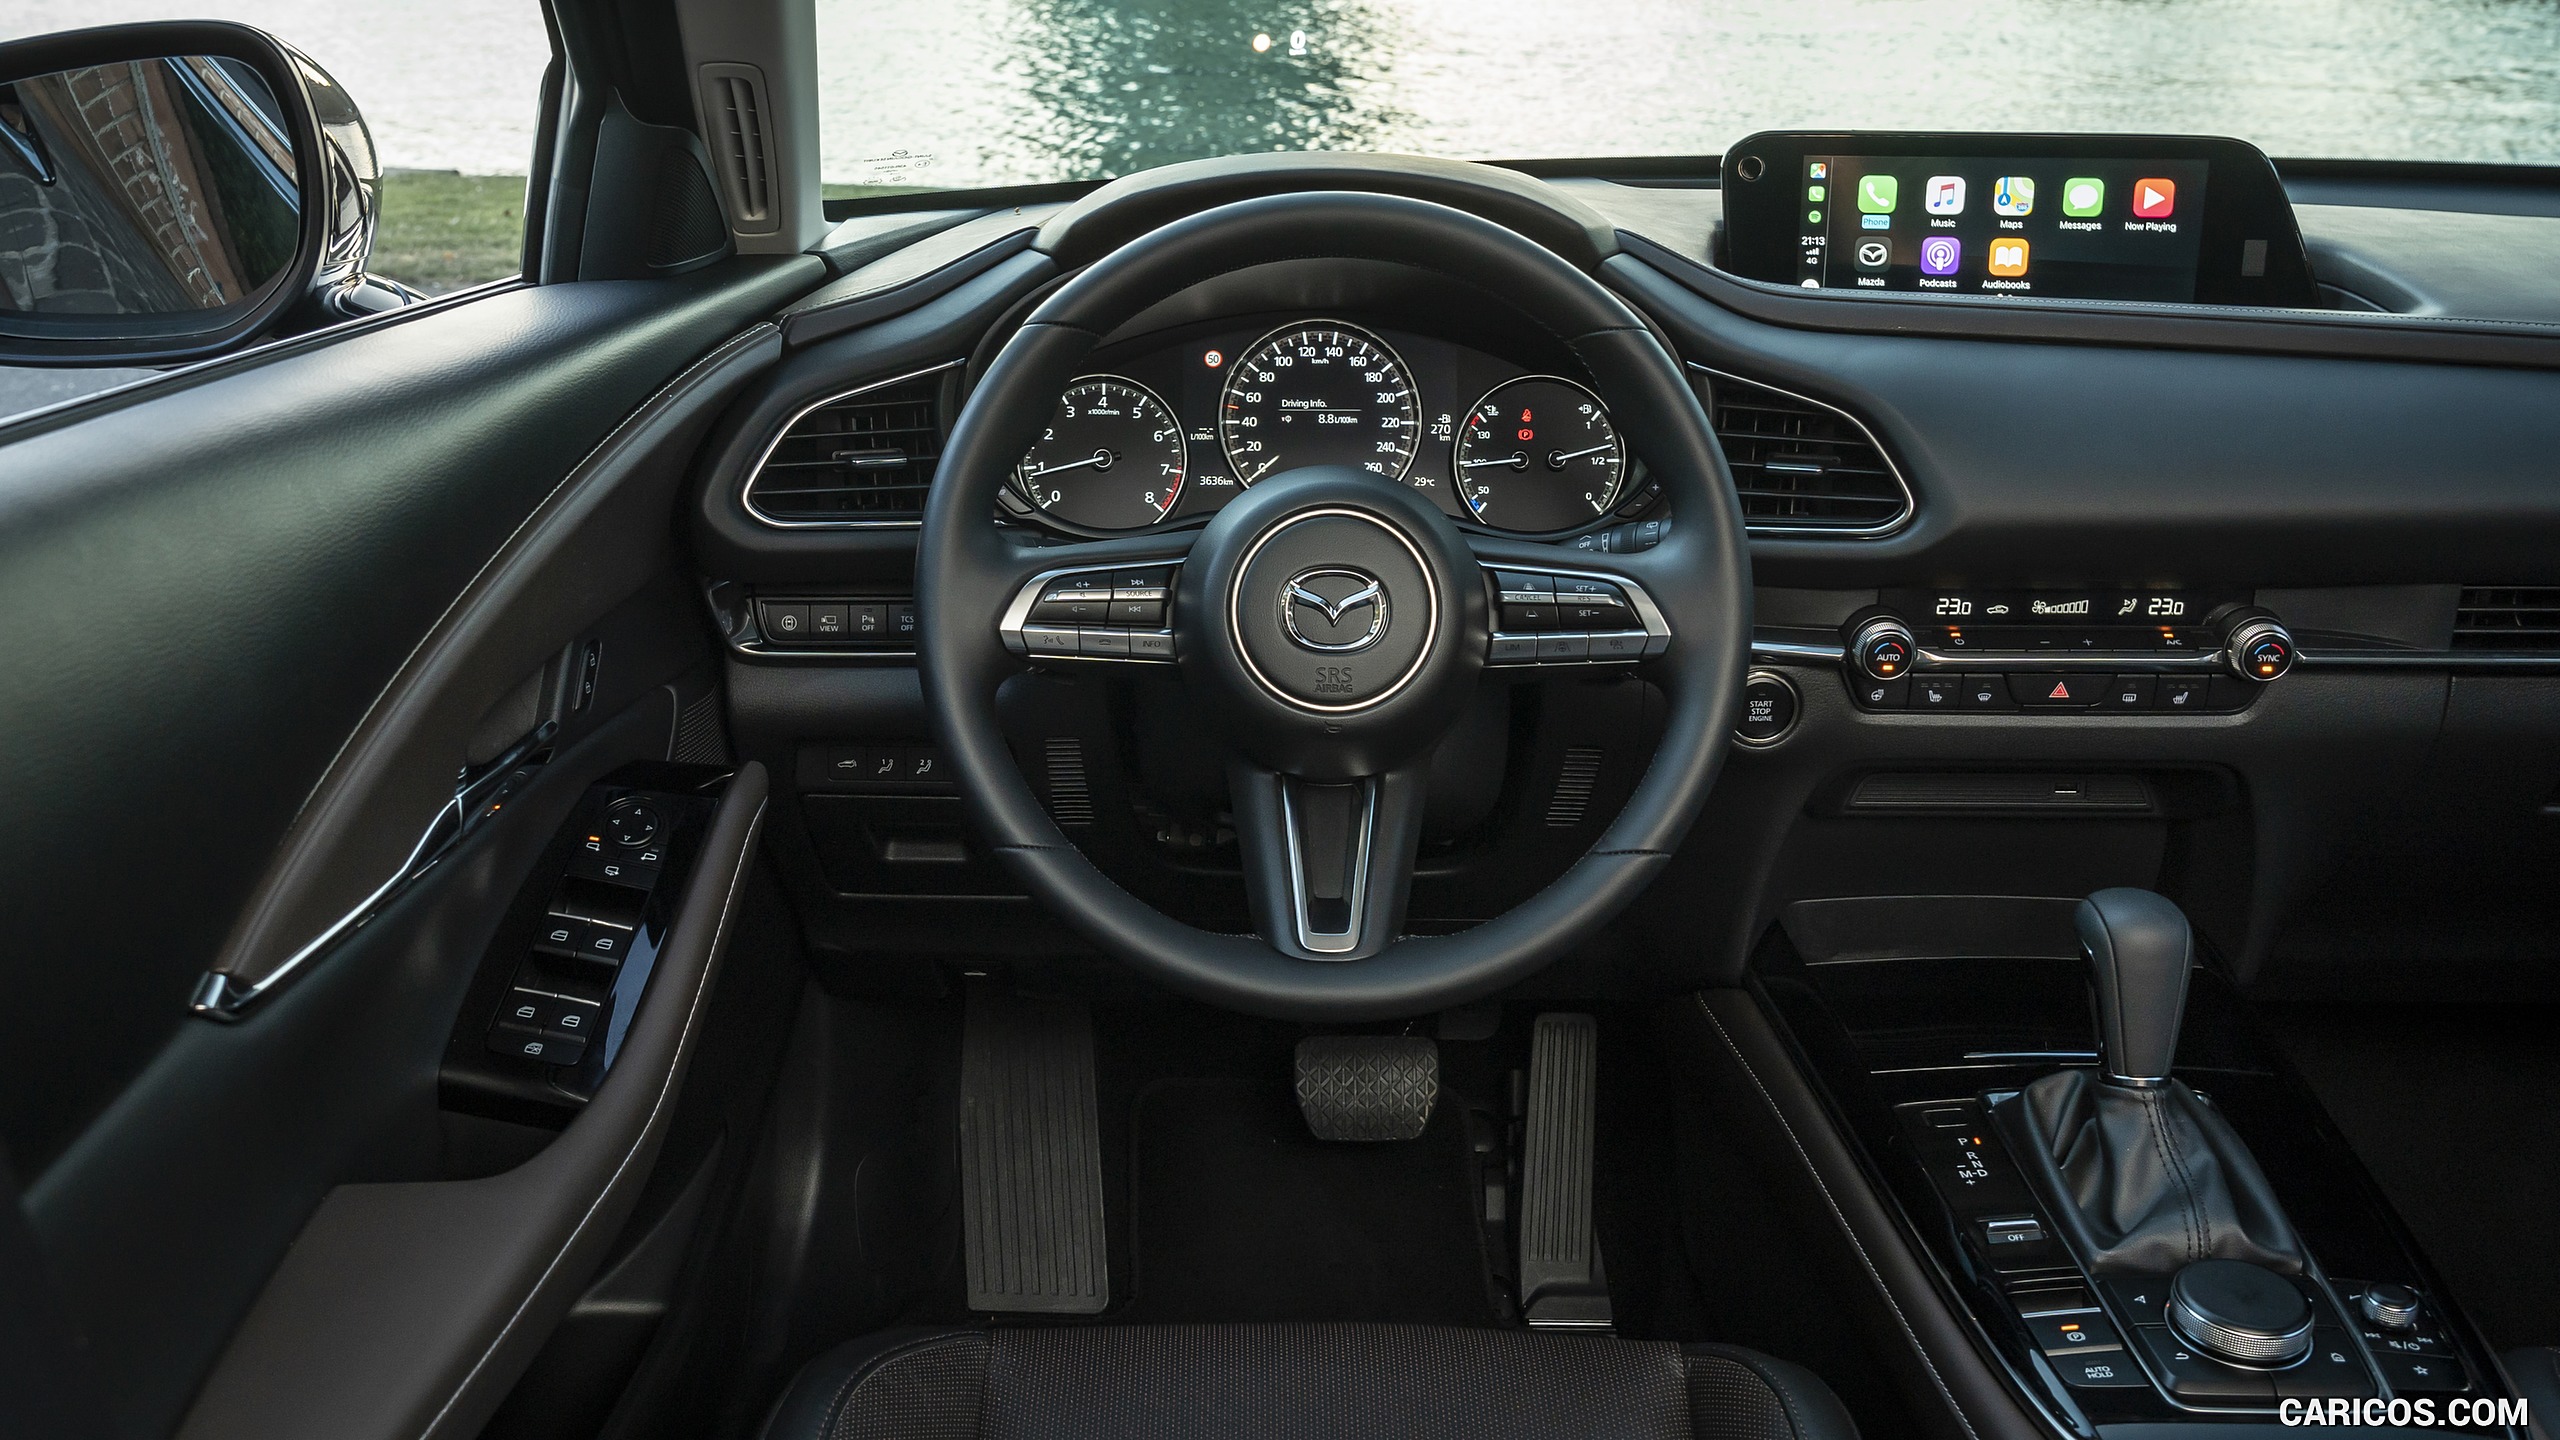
(2139, 950)
(2144, 1177)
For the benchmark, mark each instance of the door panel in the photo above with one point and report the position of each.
(251, 618)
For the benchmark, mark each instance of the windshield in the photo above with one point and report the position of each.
(958, 94)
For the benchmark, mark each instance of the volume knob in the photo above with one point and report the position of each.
(1883, 649)
(2393, 1307)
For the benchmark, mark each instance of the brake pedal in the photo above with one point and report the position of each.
(1562, 1285)
(1031, 1157)
(1367, 1087)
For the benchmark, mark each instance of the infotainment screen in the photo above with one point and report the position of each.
(2120, 229)
(2074, 217)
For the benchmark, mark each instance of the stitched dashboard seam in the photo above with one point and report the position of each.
(666, 1088)
(1832, 1203)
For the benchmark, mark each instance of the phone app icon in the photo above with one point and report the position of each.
(1941, 255)
(1876, 193)
(2154, 199)
(1875, 254)
(2083, 196)
(1946, 195)
(2014, 195)
(2008, 256)
(1816, 192)
(1875, 222)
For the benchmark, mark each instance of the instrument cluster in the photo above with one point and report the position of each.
(1174, 430)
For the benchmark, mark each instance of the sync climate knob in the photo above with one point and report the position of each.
(2257, 648)
(1883, 649)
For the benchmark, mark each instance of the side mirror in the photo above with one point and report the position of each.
(172, 190)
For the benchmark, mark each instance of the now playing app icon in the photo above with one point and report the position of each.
(1941, 255)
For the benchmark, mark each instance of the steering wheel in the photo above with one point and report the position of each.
(1337, 624)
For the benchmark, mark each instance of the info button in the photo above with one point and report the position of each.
(2056, 691)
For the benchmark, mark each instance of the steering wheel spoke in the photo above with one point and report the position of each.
(1549, 612)
(1328, 864)
(1109, 601)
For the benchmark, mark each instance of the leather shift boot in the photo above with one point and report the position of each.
(2145, 1181)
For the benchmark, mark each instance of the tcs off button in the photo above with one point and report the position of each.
(1769, 710)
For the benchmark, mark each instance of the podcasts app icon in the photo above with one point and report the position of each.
(1941, 255)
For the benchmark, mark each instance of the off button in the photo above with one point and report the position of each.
(1769, 710)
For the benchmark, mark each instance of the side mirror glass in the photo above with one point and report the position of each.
(168, 190)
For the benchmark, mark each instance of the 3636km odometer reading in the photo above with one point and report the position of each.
(1318, 393)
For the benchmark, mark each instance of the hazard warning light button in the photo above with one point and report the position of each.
(2058, 692)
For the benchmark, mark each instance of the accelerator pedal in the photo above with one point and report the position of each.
(1367, 1087)
(1562, 1286)
(1031, 1157)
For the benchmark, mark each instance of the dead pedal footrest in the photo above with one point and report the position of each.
(1562, 1285)
(1367, 1087)
(1031, 1157)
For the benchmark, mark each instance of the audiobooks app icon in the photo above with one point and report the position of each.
(2008, 256)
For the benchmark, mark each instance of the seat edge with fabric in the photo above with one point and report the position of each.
(1297, 1382)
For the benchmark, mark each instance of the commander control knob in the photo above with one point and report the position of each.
(1883, 649)
(2243, 1313)
(2393, 1307)
(2259, 649)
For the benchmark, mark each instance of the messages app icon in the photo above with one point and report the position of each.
(1876, 193)
(2083, 196)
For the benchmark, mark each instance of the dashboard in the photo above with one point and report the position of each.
(1167, 429)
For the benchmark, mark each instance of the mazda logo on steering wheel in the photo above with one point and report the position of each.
(1334, 610)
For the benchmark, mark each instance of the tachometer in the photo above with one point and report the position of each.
(1537, 454)
(1319, 393)
(1111, 458)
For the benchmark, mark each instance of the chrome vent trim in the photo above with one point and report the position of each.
(2511, 618)
(1753, 472)
(905, 519)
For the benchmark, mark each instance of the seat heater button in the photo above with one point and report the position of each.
(2181, 695)
(1937, 692)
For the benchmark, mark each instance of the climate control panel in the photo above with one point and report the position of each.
(2165, 653)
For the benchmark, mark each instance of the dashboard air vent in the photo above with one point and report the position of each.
(2510, 617)
(1799, 464)
(860, 459)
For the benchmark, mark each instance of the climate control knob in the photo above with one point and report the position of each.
(2255, 646)
(1883, 649)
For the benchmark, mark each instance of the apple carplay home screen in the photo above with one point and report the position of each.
(2085, 229)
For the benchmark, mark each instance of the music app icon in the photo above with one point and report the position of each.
(1945, 195)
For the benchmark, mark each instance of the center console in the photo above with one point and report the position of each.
(2135, 1241)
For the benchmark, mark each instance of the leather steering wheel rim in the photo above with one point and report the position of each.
(968, 570)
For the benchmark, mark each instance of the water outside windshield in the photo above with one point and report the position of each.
(954, 94)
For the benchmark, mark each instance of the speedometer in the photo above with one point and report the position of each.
(1319, 393)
